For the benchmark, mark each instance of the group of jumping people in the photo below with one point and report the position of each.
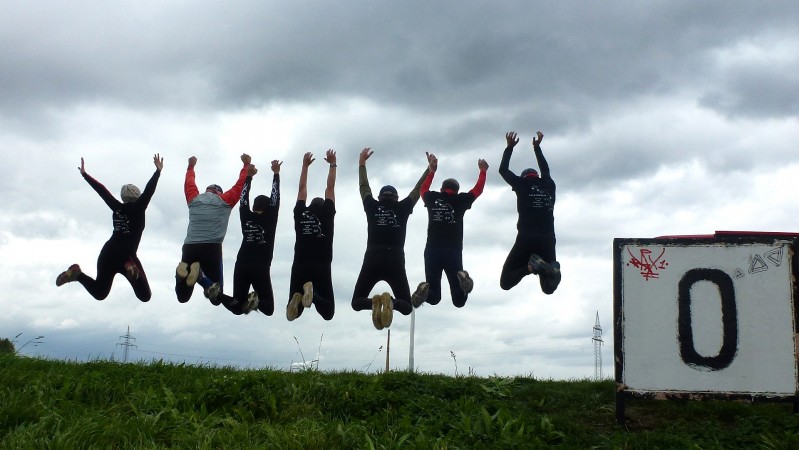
(311, 281)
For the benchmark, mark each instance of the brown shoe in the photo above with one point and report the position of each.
(194, 274)
(420, 296)
(293, 308)
(68, 275)
(307, 294)
(377, 305)
(387, 312)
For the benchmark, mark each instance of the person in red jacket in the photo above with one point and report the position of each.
(209, 214)
(444, 249)
(119, 253)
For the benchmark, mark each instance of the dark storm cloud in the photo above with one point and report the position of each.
(570, 60)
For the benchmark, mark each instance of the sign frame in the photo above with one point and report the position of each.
(731, 239)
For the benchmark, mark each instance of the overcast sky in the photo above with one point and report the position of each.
(660, 118)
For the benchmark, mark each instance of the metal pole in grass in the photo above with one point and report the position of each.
(413, 328)
(388, 347)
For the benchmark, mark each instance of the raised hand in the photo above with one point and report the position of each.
(251, 170)
(245, 158)
(307, 159)
(511, 139)
(540, 137)
(158, 161)
(330, 156)
(365, 154)
(432, 161)
(82, 167)
(276, 165)
(482, 165)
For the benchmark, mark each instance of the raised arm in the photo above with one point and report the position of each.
(414, 195)
(511, 139)
(330, 189)
(98, 187)
(189, 185)
(275, 197)
(539, 155)
(302, 192)
(244, 198)
(363, 179)
(481, 178)
(149, 189)
(432, 166)
(232, 195)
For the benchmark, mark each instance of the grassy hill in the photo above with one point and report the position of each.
(105, 404)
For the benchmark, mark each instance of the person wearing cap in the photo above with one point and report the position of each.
(254, 260)
(384, 260)
(119, 252)
(209, 214)
(444, 249)
(311, 281)
(534, 249)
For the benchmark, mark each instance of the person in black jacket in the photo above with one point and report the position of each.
(119, 252)
(254, 259)
(384, 260)
(534, 249)
(311, 280)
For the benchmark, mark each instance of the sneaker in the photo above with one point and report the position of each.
(307, 294)
(293, 308)
(387, 310)
(536, 264)
(466, 282)
(252, 303)
(68, 275)
(194, 274)
(212, 293)
(132, 269)
(377, 306)
(553, 278)
(420, 296)
(182, 271)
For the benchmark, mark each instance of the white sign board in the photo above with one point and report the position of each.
(706, 317)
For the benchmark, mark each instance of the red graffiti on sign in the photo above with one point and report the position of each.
(648, 265)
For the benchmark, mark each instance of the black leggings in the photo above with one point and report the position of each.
(112, 261)
(384, 264)
(450, 261)
(251, 272)
(210, 258)
(317, 273)
(515, 267)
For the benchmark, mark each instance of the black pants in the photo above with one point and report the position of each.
(383, 264)
(210, 258)
(319, 274)
(110, 262)
(515, 267)
(251, 272)
(450, 261)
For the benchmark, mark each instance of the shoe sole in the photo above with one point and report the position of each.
(307, 294)
(182, 271)
(252, 302)
(377, 306)
(466, 282)
(194, 274)
(420, 295)
(293, 308)
(387, 310)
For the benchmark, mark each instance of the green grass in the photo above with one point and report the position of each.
(104, 405)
